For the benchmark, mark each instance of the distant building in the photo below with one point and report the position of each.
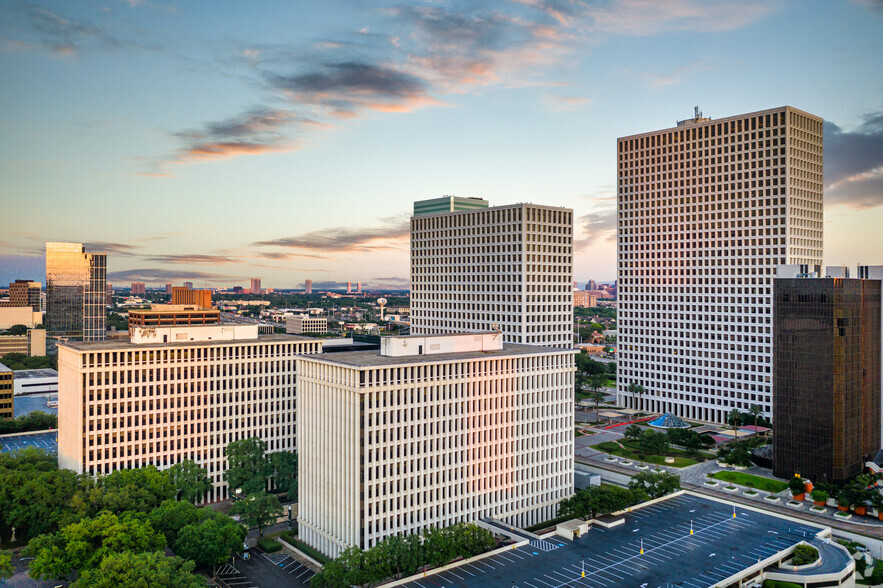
(169, 289)
(76, 292)
(358, 287)
(430, 431)
(826, 369)
(188, 285)
(6, 392)
(308, 287)
(175, 393)
(33, 341)
(591, 285)
(447, 204)
(138, 289)
(306, 324)
(507, 266)
(349, 287)
(188, 296)
(38, 381)
(584, 299)
(109, 297)
(256, 286)
(25, 293)
(171, 315)
(706, 210)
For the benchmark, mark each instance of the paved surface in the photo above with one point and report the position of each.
(720, 546)
(264, 570)
(27, 403)
(45, 441)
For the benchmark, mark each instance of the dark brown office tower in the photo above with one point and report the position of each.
(826, 367)
(25, 293)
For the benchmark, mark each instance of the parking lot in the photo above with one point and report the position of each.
(45, 441)
(721, 545)
(264, 570)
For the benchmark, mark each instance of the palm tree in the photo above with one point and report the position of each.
(636, 390)
(597, 396)
(735, 416)
(755, 410)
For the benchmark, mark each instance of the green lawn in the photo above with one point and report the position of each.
(616, 449)
(765, 484)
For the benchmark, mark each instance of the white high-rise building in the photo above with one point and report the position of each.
(706, 211)
(175, 393)
(430, 431)
(477, 268)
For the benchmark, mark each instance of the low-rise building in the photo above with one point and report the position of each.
(6, 392)
(175, 393)
(306, 324)
(429, 431)
(37, 381)
(167, 315)
(32, 342)
(201, 298)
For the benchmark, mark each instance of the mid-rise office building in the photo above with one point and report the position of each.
(827, 376)
(25, 293)
(706, 211)
(256, 286)
(169, 289)
(308, 287)
(584, 299)
(188, 285)
(6, 392)
(429, 431)
(447, 204)
(189, 296)
(138, 289)
(75, 292)
(507, 267)
(171, 315)
(175, 393)
(306, 324)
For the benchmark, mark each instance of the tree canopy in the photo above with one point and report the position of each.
(598, 500)
(190, 481)
(247, 467)
(140, 570)
(258, 510)
(655, 485)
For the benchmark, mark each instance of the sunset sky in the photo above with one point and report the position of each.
(218, 141)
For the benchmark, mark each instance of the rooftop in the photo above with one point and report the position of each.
(3, 368)
(84, 346)
(38, 373)
(364, 359)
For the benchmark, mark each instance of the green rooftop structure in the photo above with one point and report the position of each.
(447, 204)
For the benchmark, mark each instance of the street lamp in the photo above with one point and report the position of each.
(642, 545)
(584, 567)
(691, 526)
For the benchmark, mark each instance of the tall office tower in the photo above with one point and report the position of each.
(430, 431)
(591, 285)
(826, 397)
(109, 294)
(25, 293)
(358, 287)
(706, 211)
(256, 286)
(308, 287)
(510, 266)
(169, 289)
(349, 287)
(188, 296)
(75, 292)
(875, 272)
(138, 288)
(188, 285)
(175, 393)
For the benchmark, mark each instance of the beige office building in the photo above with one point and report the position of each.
(510, 266)
(33, 341)
(175, 393)
(430, 431)
(706, 211)
(306, 324)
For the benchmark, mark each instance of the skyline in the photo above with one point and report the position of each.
(192, 142)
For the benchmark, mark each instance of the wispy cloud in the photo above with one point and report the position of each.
(191, 259)
(108, 247)
(642, 18)
(595, 226)
(164, 275)
(347, 239)
(854, 163)
(562, 103)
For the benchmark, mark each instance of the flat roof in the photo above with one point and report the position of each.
(128, 345)
(359, 359)
(38, 373)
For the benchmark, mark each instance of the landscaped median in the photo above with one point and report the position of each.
(751, 481)
(617, 449)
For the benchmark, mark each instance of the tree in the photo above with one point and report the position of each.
(189, 481)
(579, 381)
(171, 516)
(142, 570)
(247, 467)
(656, 485)
(636, 390)
(283, 469)
(7, 569)
(633, 432)
(597, 397)
(16, 330)
(653, 443)
(734, 417)
(212, 541)
(258, 510)
(139, 489)
(83, 545)
(755, 410)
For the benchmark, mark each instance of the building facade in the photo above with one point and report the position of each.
(175, 393)
(306, 324)
(169, 315)
(189, 296)
(584, 299)
(256, 286)
(706, 211)
(25, 293)
(507, 267)
(827, 377)
(75, 292)
(308, 287)
(6, 392)
(447, 204)
(138, 289)
(430, 431)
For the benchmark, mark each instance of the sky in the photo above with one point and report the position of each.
(214, 142)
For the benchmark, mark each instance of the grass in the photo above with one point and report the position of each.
(618, 450)
(310, 551)
(875, 577)
(757, 482)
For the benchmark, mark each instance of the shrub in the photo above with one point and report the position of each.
(796, 486)
(269, 545)
(819, 495)
(804, 554)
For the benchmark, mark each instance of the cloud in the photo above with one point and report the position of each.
(873, 5)
(393, 283)
(562, 103)
(642, 18)
(112, 248)
(595, 226)
(210, 259)
(854, 163)
(288, 255)
(156, 275)
(347, 239)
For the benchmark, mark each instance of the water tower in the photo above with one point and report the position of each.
(382, 303)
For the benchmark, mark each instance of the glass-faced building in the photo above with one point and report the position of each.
(76, 284)
(826, 386)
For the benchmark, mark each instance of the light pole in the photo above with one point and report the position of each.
(734, 510)
(584, 567)
(691, 526)
(642, 545)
